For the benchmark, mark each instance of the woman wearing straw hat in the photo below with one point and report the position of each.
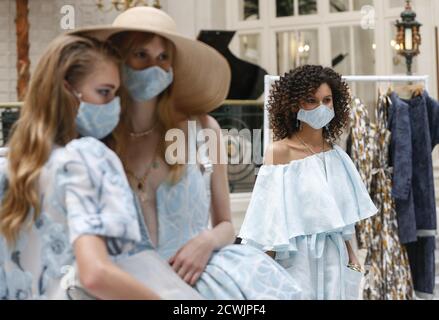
(173, 82)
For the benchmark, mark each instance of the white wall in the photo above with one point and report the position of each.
(44, 19)
(427, 59)
(8, 51)
(192, 16)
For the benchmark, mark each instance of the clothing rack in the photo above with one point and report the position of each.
(269, 80)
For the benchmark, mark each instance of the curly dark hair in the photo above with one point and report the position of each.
(298, 84)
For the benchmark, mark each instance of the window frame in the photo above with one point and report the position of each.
(269, 25)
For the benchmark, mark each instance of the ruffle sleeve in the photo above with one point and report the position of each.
(295, 200)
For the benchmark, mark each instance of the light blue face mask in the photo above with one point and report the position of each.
(318, 117)
(148, 83)
(97, 120)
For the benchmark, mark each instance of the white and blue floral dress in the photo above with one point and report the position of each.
(305, 216)
(83, 191)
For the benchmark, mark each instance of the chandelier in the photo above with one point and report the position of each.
(122, 5)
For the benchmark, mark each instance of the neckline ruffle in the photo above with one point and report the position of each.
(294, 200)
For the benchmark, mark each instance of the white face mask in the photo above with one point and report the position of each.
(148, 83)
(97, 120)
(318, 117)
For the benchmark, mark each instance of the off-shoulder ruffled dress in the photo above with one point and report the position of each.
(305, 216)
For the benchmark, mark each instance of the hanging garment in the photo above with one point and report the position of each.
(388, 276)
(360, 148)
(415, 132)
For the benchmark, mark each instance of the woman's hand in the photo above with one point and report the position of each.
(189, 262)
(353, 260)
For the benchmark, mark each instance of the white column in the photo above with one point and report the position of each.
(192, 16)
(218, 14)
(427, 58)
(8, 52)
(183, 12)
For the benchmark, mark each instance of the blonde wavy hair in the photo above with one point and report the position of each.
(165, 112)
(47, 118)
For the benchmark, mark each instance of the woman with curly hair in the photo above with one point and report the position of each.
(308, 195)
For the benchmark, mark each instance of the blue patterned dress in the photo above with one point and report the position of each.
(305, 216)
(236, 272)
(83, 191)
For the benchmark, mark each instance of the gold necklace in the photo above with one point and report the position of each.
(309, 147)
(142, 134)
(141, 181)
(315, 153)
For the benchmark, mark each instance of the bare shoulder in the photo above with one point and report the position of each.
(276, 153)
(283, 152)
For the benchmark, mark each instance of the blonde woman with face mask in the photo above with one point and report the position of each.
(173, 80)
(57, 191)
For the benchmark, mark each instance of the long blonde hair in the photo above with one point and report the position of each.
(47, 118)
(167, 117)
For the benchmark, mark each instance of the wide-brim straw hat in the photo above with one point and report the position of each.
(201, 74)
